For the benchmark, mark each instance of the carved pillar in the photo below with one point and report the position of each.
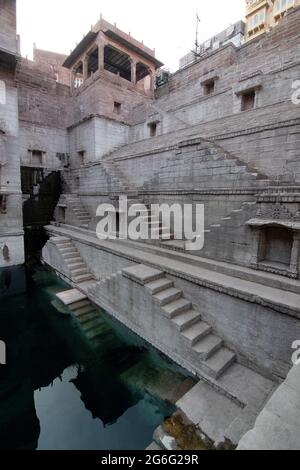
(256, 248)
(101, 56)
(73, 75)
(85, 68)
(152, 79)
(133, 72)
(294, 266)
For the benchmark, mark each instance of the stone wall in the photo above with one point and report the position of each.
(8, 39)
(11, 230)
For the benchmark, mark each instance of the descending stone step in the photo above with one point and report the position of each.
(176, 307)
(90, 325)
(75, 260)
(80, 304)
(79, 271)
(83, 310)
(88, 316)
(70, 296)
(207, 346)
(82, 277)
(168, 295)
(91, 334)
(142, 274)
(159, 285)
(196, 331)
(187, 318)
(219, 362)
(74, 266)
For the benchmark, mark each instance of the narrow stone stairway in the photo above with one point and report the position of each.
(215, 358)
(89, 319)
(77, 268)
(79, 210)
(206, 349)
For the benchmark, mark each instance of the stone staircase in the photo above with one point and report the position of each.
(75, 265)
(213, 356)
(88, 318)
(207, 349)
(116, 177)
(215, 228)
(82, 215)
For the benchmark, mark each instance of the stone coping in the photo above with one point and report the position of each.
(270, 297)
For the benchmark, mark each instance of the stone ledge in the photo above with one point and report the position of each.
(276, 299)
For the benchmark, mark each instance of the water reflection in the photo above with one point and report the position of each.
(57, 393)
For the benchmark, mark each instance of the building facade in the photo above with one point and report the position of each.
(263, 15)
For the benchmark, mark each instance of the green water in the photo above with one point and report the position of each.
(56, 392)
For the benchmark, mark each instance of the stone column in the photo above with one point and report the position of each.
(256, 247)
(152, 79)
(101, 56)
(73, 75)
(85, 68)
(294, 266)
(133, 72)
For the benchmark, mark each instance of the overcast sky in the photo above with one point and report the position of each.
(168, 26)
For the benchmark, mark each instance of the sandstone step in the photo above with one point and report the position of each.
(83, 310)
(186, 319)
(78, 265)
(82, 278)
(177, 307)
(67, 250)
(78, 272)
(59, 240)
(168, 295)
(70, 296)
(91, 334)
(161, 284)
(88, 316)
(197, 331)
(78, 305)
(216, 365)
(90, 325)
(71, 256)
(208, 346)
(142, 274)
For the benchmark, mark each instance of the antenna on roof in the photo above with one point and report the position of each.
(197, 33)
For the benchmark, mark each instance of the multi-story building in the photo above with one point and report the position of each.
(263, 15)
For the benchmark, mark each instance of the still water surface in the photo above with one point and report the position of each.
(55, 393)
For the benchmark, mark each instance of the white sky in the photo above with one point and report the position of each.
(168, 26)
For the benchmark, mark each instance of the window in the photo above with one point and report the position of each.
(2, 204)
(248, 100)
(81, 157)
(153, 129)
(117, 107)
(37, 157)
(209, 87)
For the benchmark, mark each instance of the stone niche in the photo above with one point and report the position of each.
(276, 238)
